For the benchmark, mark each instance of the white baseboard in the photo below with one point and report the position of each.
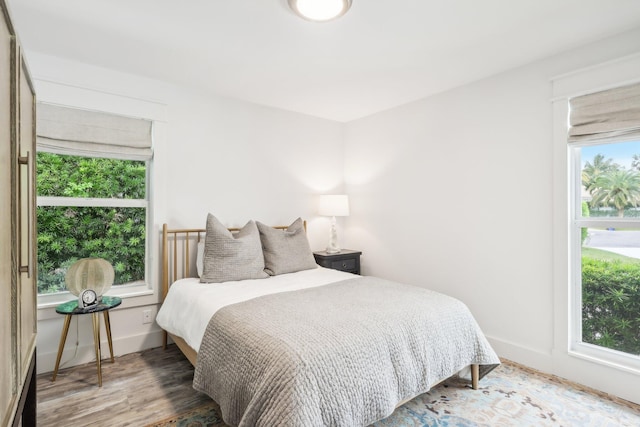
(598, 376)
(85, 353)
(520, 354)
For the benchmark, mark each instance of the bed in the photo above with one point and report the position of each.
(314, 346)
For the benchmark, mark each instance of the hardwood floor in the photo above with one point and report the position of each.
(137, 389)
(142, 388)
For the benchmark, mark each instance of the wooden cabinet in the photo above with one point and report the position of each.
(345, 260)
(18, 285)
(7, 392)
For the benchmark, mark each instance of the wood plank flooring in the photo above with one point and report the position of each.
(137, 389)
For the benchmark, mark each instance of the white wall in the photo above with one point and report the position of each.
(237, 160)
(454, 193)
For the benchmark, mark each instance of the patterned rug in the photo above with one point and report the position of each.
(511, 395)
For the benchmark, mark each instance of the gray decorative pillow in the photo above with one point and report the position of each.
(231, 256)
(286, 251)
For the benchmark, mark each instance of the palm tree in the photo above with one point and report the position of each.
(618, 188)
(635, 164)
(591, 172)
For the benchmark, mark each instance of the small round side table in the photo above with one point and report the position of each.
(69, 309)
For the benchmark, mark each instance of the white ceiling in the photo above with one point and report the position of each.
(383, 53)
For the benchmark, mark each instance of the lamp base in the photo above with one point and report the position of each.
(333, 247)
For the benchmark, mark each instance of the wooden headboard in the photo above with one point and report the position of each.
(178, 245)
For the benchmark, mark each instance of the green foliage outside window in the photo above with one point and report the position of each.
(612, 185)
(68, 233)
(73, 176)
(611, 283)
(611, 303)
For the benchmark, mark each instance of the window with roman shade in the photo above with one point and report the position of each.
(573, 355)
(92, 184)
(604, 147)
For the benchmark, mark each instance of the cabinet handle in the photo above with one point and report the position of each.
(24, 161)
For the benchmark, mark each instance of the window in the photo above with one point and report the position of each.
(604, 145)
(93, 186)
(90, 207)
(605, 236)
(571, 357)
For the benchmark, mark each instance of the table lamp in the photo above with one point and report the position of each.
(89, 275)
(333, 205)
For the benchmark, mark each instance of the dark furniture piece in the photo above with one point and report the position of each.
(26, 412)
(345, 260)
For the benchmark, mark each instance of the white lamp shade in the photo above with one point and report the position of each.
(333, 205)
(89, 273)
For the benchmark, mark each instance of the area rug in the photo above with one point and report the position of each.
(511, 395)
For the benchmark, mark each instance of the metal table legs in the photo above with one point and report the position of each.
(96, 341)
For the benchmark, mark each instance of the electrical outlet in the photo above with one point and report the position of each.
(146, 316)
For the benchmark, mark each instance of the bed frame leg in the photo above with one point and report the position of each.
(164, 340)
(475, 376)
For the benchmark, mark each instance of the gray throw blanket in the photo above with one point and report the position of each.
(343, 354)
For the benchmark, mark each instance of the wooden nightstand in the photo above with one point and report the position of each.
(345, 260)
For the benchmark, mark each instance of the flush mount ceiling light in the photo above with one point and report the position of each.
(320, 10)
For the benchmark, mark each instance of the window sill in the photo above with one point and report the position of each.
(610, 358)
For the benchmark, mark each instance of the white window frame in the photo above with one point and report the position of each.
(63, 89)
(577, 347)
(566, 361)
(137, 288)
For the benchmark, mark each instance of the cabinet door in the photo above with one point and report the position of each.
(27, 292)
(8, 306)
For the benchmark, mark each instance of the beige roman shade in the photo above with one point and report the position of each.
(613, 113)
(65, 130)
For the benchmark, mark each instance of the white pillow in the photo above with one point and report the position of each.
(200, 258)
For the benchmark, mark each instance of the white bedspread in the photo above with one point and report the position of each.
(189, 305)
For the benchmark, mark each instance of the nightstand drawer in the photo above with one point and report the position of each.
(344, 265)
(345, 260)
